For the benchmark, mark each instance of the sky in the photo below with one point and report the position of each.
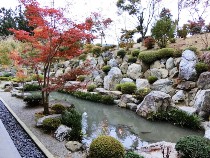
(80, 9)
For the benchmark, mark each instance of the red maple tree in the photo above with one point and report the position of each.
(53, 37)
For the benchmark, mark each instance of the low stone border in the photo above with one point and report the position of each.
(27, 130)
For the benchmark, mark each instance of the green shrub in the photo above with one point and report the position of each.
(193, 146)
(7, 74)
(149, 57)
(96, 50)
(58, 108)
(90, 88)
(81, 78)
(194, 49)
(201, 67)
(83, 57)
(132, 59)
(121, 53)
(149, 42)
(106, 147)
(51, 124)
(5, 78)
(107, 99)
(73, 119)
(152, 79)
(106, 68)
(179, 117)
(132, 155)
(33, 100)
(172, 40)
(141, 93)
(31, 87)
(128, 88)
(135, 53)
(118, 87)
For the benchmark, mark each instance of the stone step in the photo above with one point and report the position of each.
(7, 147)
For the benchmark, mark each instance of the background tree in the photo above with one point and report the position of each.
(143, 11)
(49, 42)
(12, 19)
(163, 29)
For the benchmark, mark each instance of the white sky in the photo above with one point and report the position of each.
(80, 9)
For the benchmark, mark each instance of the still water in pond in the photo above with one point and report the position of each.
(129, 128)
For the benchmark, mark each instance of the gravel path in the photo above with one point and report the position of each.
(27, 116)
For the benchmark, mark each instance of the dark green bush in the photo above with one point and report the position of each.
(96, 50)
(106, 147)
(33, 100)
(201, 67)
(58, 108)
(73, 119)
(152, 79)
(135, 53)
(194, 49)
(121, 53)
(141, 93)
(179, 117)
(91, 87)
(107, 99)
(106, 68)
(172, 40)
(31, 87)
(193, 146)
(51, 124)
(149, 57)
(132, 155)
(7, 74)
(132, 59)
(128, 87)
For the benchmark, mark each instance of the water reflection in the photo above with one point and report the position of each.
(132, 130)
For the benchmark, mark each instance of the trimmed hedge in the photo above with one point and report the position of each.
(149, 57)
(105, 99)
(121, 53)
(31, 87)
(90, 88)
(152, 79)
(201, 67)
(106, 68)
(33, 100)
(128, 88)
(51, 124)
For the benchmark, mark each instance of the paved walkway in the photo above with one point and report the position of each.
(7, 147)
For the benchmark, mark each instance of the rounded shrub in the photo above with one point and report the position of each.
(73, 119)
(81, 78)
(83, 57)
(152, 79)
(51, 124)
(194, 49)
(172, 40)
(96, 50)
(106, 147)
(107, 99)
(106, 68)
(128, 88)
(201, 67)
(33, 100)
(132, 59)
(121, 53)
(141, 93)
(118, 87)
(58, 108)
(132, 155)
(135, 53)
(193, 146)
(91, 87)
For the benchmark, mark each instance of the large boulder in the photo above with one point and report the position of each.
(112, 63)
(170, 63)
(124, 67)
(61, 133)
(134, 71)
(142, 83)
(204, 80)
(125, 99)
(59, 72)
(201, 102)
(154, 102)
(73, 146)
(126, 80)
(114, 77)
(157, 64)
(187, 65)
(163, 85)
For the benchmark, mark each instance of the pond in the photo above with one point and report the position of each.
(125, 125)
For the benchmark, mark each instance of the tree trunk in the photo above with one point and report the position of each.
(45, 102)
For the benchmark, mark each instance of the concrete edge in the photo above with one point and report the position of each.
(33, 137)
